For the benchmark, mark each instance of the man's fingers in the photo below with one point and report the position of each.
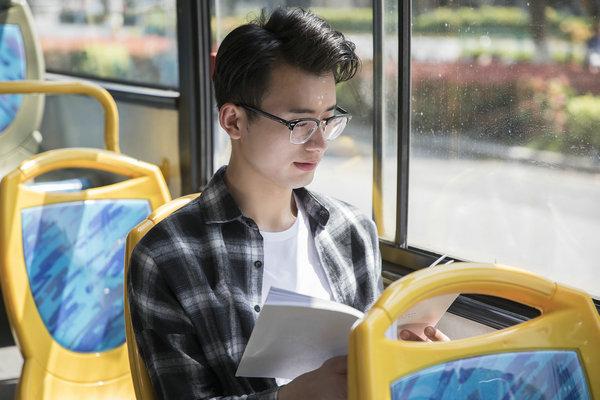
(431, 334)
(405, 334)
(436, 335)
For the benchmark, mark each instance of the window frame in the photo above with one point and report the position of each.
(196, 100)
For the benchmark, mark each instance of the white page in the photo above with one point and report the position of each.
(295, 334)
(425, 313)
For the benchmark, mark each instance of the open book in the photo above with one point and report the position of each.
(295, 333)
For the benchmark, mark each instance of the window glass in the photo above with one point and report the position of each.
(346, 170)
(122, 40)
(505, 134)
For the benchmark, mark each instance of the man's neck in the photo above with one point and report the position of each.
(272, 208)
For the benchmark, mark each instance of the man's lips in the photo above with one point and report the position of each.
(306, 165)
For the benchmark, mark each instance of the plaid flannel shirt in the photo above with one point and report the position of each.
(194, 286)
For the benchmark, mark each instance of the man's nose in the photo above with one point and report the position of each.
(317, 141)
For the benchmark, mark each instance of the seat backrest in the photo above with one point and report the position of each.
(557, 352)
(21, 58)
(141, 380)
(61, 269)
(61, 262)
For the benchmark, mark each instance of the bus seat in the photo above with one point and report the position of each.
(21, 59)
(556, 353)
(61, 262)
(141, 380)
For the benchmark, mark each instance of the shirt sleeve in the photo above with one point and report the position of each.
(371, 267)
(167, 340)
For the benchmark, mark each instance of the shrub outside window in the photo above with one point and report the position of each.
(131, 41)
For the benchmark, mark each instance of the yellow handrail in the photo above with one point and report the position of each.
(111, 116)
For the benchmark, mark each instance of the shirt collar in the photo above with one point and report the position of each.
(216, 202)
(312, 206)
(219, 207)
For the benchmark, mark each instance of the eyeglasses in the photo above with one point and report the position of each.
(302, 129)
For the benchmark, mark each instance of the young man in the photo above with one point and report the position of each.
(197, 281)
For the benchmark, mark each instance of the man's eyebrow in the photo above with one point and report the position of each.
(309, 111)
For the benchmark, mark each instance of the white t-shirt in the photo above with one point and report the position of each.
(291, 261)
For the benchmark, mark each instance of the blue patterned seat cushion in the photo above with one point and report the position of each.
(12, 68)
(74, 256)
(520, 375)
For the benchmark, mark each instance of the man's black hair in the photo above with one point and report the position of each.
(297, 37)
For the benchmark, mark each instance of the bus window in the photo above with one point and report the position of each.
(504, 139)
(118, 40)
(473, 129)
(346, 170)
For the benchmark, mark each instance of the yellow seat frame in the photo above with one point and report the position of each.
(141, 379)
(568, 321)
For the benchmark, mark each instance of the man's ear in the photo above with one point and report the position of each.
(232, 119)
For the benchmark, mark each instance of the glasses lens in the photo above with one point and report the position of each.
(335, 127)
(302, 131)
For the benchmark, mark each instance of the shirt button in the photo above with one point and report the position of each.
(257, 308)
(257, 264)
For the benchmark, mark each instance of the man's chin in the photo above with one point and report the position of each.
(303, 180)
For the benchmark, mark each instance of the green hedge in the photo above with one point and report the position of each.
(545, 114)
(466, 20)
(347, 20)
(114, 61)
(498, 21)
(107, 60)
(583, 119)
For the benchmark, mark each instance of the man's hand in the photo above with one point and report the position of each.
(330, 380)
(432, 335)
(327, 382)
